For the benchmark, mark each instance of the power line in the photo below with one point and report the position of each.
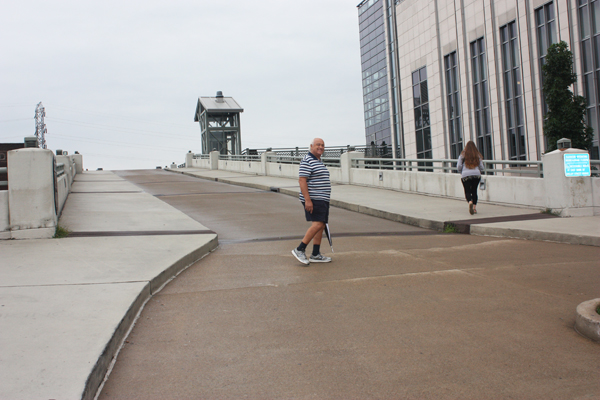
(118, 129)
(121, 117)
(113, 142)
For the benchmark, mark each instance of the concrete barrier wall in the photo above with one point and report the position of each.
(200, 163)
(245, 167)
(65, 182)
(596, 192)
(569, 196)
(335, 174)
(4, 221)
(63, 189)
(283, 170)
(514, 190)
(31, 202)
(30, 208)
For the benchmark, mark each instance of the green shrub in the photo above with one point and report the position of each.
(451, 228)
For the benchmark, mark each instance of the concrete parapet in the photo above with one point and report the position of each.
(4, 219)
(346, 165)
(78, 160)
(214, 159)
(263, 162)
(573, 196)
(189, 160)
(569, 196)
(32, 209)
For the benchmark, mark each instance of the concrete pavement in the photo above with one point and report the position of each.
(69, 303)
(432, 212)
(400, 313)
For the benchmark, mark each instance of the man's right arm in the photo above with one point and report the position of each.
(308, 205)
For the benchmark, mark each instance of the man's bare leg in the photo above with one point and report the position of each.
(315, 233)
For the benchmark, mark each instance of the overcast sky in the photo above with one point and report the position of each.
(120, 79)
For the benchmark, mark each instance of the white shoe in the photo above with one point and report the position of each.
(319, 258)
(300, 256)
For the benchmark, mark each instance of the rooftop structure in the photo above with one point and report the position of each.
(219, 119)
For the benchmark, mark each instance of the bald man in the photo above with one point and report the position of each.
(315, 191)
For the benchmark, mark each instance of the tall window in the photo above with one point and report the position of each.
(422, 124)
(453, 102)
(513, 92)
(589, 32)
(545, 21)
(483, 126)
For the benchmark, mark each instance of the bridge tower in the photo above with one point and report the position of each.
(219, 119)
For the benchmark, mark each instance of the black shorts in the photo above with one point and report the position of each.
(320, 211)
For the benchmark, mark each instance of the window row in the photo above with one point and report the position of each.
(375, 47)
(368, 9)
(378, 30)
(376, 76)
(376, 67)
(375, 85)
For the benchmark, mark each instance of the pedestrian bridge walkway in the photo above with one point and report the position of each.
(68, 304)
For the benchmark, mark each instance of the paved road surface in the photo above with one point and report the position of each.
(401, 312)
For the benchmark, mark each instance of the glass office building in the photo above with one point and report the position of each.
(437, 74)
(378, 73)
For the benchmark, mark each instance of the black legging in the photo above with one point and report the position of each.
(470, 184)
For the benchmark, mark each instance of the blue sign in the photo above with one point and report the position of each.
(577, 164)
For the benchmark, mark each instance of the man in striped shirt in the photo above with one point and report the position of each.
(315, 191)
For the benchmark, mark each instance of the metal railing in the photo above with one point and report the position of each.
(379, 157)
(595, 168)
(517, 168)
(239, 157)
(404, 164)
(282, 159)
(330, 151)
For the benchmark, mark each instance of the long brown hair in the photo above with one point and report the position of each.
(472, 155)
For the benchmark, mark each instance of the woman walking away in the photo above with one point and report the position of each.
(470, 167)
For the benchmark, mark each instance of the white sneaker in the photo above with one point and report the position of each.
(319, 258)
(300, 256)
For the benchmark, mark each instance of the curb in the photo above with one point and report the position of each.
(587, 322)
(103, 367)
(515, 233)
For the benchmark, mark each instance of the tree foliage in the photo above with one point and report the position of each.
(566, 112)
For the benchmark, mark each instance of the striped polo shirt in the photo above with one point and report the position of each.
(317, 177)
